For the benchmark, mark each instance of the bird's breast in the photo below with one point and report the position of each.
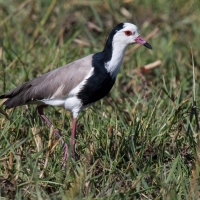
(96, 87)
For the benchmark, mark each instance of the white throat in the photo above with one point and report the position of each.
(114, 64)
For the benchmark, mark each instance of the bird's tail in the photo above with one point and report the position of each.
(15, 97)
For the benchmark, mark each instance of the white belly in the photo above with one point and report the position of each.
(72, 104)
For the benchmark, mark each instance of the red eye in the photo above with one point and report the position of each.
(128, 33)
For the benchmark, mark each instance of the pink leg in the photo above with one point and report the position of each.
(73, 136)
(65, 147)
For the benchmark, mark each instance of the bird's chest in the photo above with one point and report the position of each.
(97, 86)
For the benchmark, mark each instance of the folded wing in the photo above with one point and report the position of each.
(54, 84)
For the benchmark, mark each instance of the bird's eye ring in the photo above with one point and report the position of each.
(128, 33)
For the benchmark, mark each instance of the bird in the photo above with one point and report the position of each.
(79, 84)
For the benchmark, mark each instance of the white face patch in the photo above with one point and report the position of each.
(129, 26)
(122, 37)
(120, 41)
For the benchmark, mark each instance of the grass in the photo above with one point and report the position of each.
(133, 144)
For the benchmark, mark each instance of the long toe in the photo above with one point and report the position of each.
(65, 146)
(65, 152)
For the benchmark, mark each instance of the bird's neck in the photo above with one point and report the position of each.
(113, 65)
(110, 58)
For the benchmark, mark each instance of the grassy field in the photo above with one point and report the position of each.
(134, 143)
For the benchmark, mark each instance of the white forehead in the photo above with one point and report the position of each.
(129, 26)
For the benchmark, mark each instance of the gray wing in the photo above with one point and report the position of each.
(57, 83)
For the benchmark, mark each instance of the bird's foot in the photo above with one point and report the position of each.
(65, 148)
(65, 154)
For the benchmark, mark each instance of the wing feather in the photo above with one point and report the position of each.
(57, 84)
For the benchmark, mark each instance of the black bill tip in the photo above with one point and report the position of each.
(147, 45)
